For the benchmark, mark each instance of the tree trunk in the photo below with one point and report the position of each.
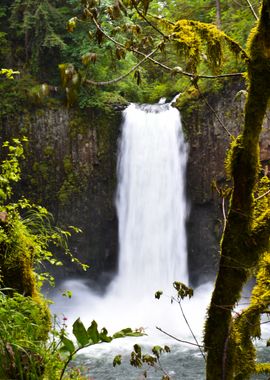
(240, 246)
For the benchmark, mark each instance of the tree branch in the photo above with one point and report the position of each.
(214, 112)
(179, 340)
(252, 10)
(261, 196)
(190, 329)
(165, 67)
(146, 19)
(103, 83)
(224, 213)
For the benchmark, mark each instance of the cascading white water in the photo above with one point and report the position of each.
(152, 210)
(150, 201)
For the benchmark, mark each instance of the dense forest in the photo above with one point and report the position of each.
(102, 55)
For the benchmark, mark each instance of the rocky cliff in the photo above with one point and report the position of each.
(70, 167)
(210, 121)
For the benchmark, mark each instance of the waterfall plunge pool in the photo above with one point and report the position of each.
(152, 210)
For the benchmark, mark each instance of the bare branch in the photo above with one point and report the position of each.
(224, 213)
(218, 14)
(190, 329)
(252, 10)
(261, 196)
(178, 340)
(161, 368)
(216, 115)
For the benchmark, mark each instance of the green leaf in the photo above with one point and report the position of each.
(93, 333)
(104, 336)
(149, 359)
(67, 293)
(68, 345)
(158, 294)
(89, 57)
(182, 290)
(117, 360)
(137, 349)
(157, 351)
(80, 332)
(71, 24)
(122, 333)
(127, 332)
(167, 349)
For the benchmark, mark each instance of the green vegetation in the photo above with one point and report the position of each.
(164, 55)
(31, 347)
(245, 239)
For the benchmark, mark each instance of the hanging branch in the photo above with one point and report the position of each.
(214, 112)
(103, 83)
(165, 67)
(146, 20)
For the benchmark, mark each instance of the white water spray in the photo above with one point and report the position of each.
(152, 211)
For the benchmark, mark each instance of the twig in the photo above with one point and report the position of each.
(214, 112)
(190, 329)
(178, 340)
(161, 367)
(263, 195)
(161, 18)
(252, 10)
(218, 14)
(103, 83)
(146, 19)
(224, 213)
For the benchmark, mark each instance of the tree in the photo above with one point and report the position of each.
(34, 33)
(245, 240)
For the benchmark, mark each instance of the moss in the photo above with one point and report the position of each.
(263, 368)
(104, 101)
(247, 324)
(193, 38)
(244, 240)
(16, 259)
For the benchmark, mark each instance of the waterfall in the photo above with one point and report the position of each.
(151, 207)
(150, 201)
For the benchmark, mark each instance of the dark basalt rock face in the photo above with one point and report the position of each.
(70, 167)
(208, 122)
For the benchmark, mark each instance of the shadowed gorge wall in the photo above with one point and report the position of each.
(70, 167)
(208, 122)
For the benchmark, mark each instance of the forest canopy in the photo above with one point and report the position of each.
(34, 40)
